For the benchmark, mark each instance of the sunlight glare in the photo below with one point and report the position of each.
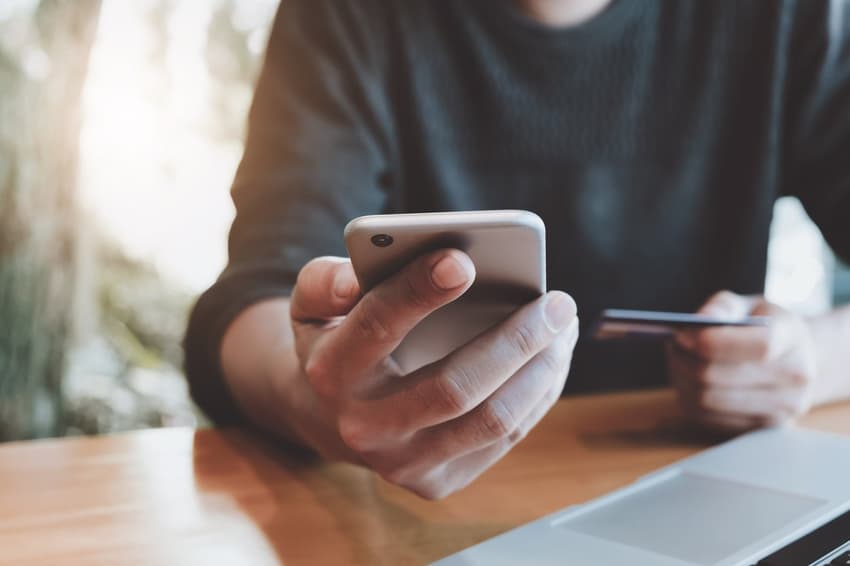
(152, 176)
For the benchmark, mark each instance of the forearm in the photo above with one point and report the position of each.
(831, 334)
(260, 366)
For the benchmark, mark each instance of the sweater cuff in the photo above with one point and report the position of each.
(208, 322)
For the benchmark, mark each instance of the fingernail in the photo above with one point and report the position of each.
(449, 274)
(343, 286)
(559, 311)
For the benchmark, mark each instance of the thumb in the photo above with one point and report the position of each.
(326, 288)
(762, 307)
(727, 304)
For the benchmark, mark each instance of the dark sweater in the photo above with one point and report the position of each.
(653, 140)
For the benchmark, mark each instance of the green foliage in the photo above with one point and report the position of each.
(43, 59)
(90, 339)
(31, 349)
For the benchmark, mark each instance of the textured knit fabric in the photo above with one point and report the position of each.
(653, 140)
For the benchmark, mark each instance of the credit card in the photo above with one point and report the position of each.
(618, 324)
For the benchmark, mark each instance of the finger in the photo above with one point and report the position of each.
(454, 386)
(460, 472)
(780, 404)
(384, 316)
(748, 375)
(730, 344)
(501, 416)
(723, 304)
(745, 374)
(783, 327)
(727, 304)
(692, 402)
(686, 373)
(706, 344)
(771, 403)
(326, 287)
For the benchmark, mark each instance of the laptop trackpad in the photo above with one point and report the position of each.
(694, 518)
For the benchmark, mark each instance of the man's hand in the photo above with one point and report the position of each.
(734, 379)
(437, 429)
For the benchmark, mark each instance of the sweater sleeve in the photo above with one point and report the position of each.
(317, 154)
(818, 137)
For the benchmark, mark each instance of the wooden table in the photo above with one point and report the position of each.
(178, 496)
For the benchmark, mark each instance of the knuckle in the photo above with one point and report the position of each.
(799, 377)
(524, 340)
(496, 420)
(788, 407)
(319, 374)
(772, 420)
(430, 491)
(788, 411)
(372, 325)
(553, 360)
(795, 405)
(705, 346)
(413, 295)
(353, 434)
(451, 393)
(430, 485)
(517, 436)
(397, 475)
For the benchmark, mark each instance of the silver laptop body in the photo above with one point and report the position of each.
(727, 506)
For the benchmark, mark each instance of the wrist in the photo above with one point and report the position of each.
(258, 363)
(283, 401)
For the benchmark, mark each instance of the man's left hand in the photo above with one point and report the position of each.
(734, 379)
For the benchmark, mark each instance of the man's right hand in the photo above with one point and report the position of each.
(435, 430)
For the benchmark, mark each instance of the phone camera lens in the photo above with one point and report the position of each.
(382, 240)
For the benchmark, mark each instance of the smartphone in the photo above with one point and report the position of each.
(507, 247)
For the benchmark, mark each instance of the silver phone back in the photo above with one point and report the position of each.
(507, 248)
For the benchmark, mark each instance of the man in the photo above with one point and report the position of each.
(653, 139)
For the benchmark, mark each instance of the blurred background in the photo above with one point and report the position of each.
(121, 126)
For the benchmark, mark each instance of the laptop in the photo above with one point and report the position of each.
(777, 497)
